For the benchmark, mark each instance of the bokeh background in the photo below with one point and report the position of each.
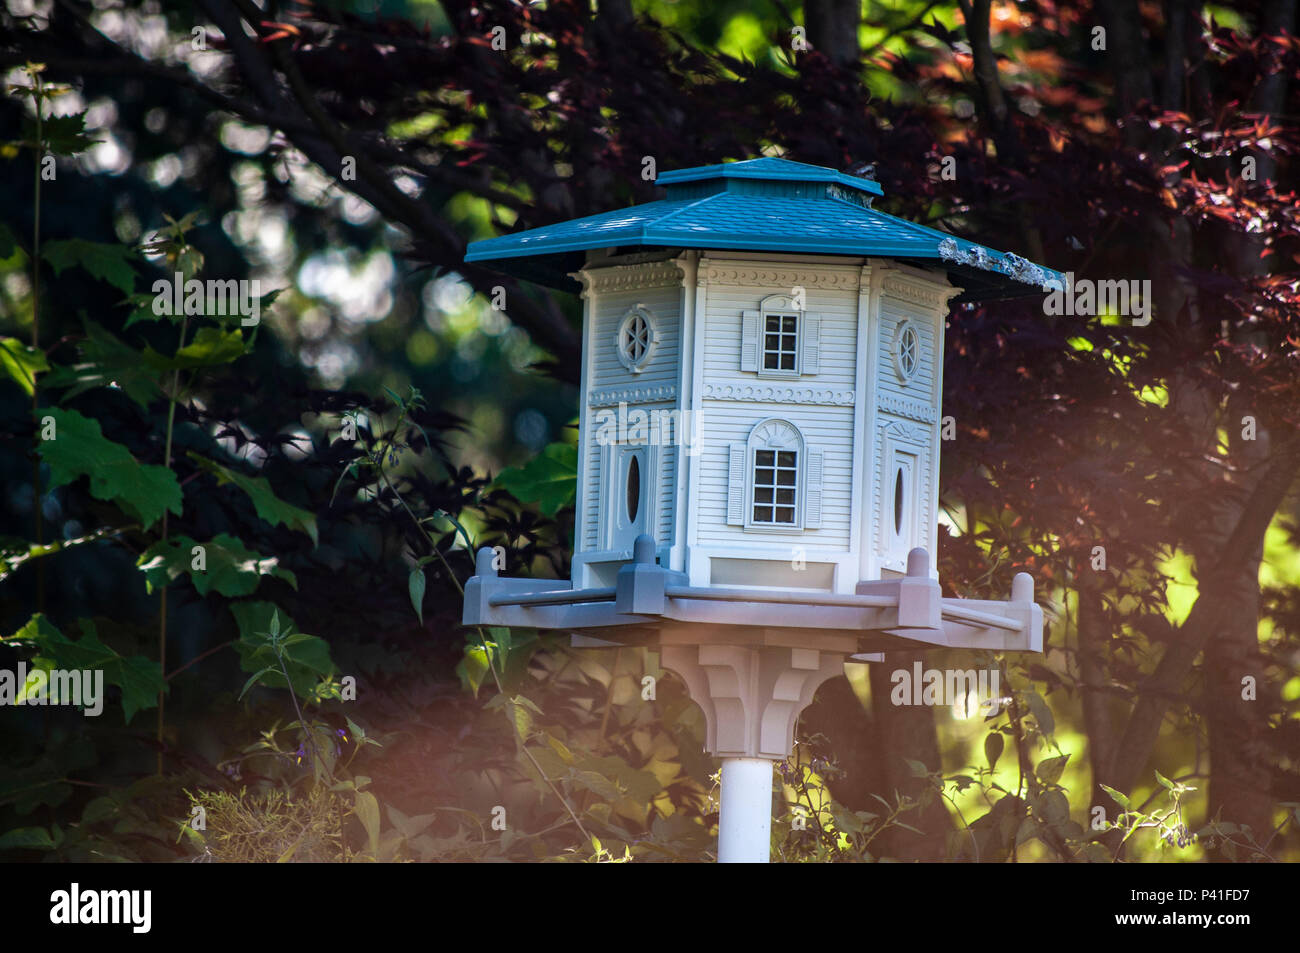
(343, 154)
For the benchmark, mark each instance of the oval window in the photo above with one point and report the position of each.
(898, 501)
(633, 488)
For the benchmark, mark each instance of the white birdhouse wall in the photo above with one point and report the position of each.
(773, 489)
(632, 364)
(905, 451)
(808, 388)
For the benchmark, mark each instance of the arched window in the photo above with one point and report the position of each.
(774, 479)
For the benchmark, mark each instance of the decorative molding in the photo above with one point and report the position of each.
(776, 434)
(632, 394)
(911, 409)
(918, 291)
(777, 393)
(751, 696)
(908, 432)
(719, 273)
(633, 277)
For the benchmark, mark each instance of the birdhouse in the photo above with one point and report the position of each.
(759, 442)
(761, 378)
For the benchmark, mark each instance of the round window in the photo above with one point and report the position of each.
(636, 338)
(907, 351)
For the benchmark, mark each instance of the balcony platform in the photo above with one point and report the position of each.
(655, 607)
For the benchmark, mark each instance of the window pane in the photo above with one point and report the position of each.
(773, 322)
(633, 489)
(785, 478)
(764, 458)
(787, 323)
(763, 494)
(785, 514)
(898, 501)
(785, 458)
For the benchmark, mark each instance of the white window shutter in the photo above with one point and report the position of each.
(812, 507)
(811, 344)
(736, 486)
(749, 338)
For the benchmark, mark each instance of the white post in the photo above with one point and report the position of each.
(745, 814)
(751, 697)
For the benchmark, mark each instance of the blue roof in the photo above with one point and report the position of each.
(767, 204)
(780, 170)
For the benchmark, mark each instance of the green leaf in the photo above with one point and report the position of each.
(100, 809)
(231, 568)
(918, 768)
(269, 506)
(307, 660)
(444, 515)
(1042, 714)
(79, 448)
(1052, 808)
(61, 135)
(141, 679)
(210, 348)
(597, 784)
(254, 678)
(26, 838)
(108, 362)
(472, 668)
(550, 479)
(141, 304)
(22, 363)
(415, 584)
(993, 745)
(1049, 769)
(1120, 799)
(559, 747)
(409, 827)
(1164, 781)
(639, 785)
(521, 718)
(106, 261)
(367, 811)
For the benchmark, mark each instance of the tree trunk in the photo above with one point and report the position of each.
(1241, 766)
(1094, 632)
(907, 732)
(833, 29)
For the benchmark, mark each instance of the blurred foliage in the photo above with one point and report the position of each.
(260, 532)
